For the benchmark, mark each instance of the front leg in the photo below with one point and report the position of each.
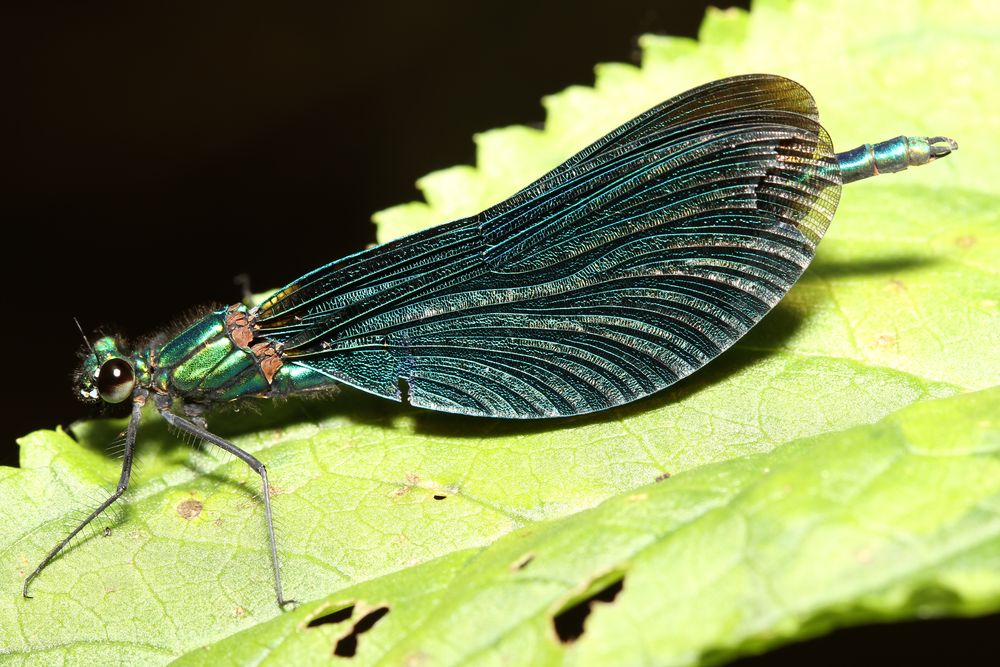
(138, 400)
(199, 431)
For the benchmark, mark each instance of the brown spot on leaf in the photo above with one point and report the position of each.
(189, 508)
(896, 285)
(662, 476)
(418, 659)
(885, 341)
(412, 480)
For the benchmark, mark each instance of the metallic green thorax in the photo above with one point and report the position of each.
(216, 359)
(204, 362)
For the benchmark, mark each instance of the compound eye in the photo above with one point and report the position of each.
(115, 380)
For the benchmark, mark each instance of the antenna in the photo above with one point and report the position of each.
(87, 342)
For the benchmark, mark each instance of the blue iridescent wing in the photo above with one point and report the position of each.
(626, 268)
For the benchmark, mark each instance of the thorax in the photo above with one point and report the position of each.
(215, 359)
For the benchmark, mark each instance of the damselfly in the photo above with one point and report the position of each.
(624, 269)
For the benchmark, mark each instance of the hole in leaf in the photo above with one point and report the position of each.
(522, 562)
(569, 622)
(338, 616)
(348, 646)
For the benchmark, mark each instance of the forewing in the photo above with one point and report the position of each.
(626, 268)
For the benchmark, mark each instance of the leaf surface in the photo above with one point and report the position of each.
(829, 469)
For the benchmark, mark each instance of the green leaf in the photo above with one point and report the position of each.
(734, 557)
(777, 523)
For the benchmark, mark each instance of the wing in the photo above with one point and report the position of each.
(626, 268)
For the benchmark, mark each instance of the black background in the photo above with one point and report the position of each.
(153, 151)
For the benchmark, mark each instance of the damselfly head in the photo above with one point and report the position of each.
(107, 373)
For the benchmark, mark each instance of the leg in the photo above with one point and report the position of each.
(258, 467)
(196, 414)
(137, 403)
